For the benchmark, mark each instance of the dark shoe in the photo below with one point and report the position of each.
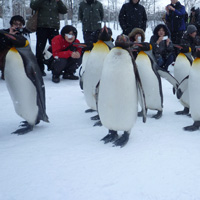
(70, 76)
(56, 79)
(43, 73)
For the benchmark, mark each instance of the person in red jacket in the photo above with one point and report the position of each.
(67, 55)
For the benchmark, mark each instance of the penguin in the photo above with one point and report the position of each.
(151, 81)
(182, 67)
(93, 68)
(118, 93)
(82, 68)
(24, 82)
(192, 82)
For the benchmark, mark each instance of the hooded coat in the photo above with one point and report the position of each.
(132, 16)
(91, 15)
(162, 49)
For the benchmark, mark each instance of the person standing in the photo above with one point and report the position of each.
(132, 15)
(91, 15)
(195, 18)
(48, 24)
(175, 20)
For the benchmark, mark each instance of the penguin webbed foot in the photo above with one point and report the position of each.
(98, 123)
(140, 114)
(185, 111)
(112, 136)
(158, 115)
(96, 117)
(26, 128)
(193, 127)
(122, 141)
(89, 110)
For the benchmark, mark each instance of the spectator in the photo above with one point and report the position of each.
(91, 14)
(163, 49)
(48, 24)
(191, 39)
(195, 18)
(17, 23)
(132, 15)
(175, 19)
(137, 35)
(66, 54)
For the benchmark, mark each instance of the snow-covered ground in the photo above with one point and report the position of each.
(65, 159)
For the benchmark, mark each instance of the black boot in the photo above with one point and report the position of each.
(55, 78)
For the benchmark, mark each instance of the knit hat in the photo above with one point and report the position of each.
(191, 29)
(68, 28)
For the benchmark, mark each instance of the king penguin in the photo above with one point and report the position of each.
(193, 83)
(118, 88)
(151, 82)
(24, 82)
(182, 67)
(93, 67)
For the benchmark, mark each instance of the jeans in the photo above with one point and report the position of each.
(165, 62)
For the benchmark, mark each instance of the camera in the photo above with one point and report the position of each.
(20, 30)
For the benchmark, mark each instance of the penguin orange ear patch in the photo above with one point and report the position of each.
(13, 49)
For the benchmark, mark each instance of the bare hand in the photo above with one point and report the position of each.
(75, 54)
(159, 40)
(171, 8)
(13, 31)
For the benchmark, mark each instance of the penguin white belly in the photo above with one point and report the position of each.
(150, 83)
(117, 100)
(194, 90)
(181, 70)
(20, 87)
(93, 72)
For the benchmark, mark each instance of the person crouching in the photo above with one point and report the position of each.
(67, 55)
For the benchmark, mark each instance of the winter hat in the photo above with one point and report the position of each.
(17, 18)
(191, 29)
(68, 28)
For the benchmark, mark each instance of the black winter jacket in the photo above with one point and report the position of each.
(162, 49)
(132, 16)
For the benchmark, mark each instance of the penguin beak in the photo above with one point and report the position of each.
(10, 36)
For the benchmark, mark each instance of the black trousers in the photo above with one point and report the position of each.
(43, 34)
(90, 37)
(68, 66)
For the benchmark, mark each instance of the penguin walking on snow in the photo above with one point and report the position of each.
(24, 82)
(181, 71)
(193, 83)
(93, 68)
(118, 93)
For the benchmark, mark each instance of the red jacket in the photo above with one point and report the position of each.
(59, 44)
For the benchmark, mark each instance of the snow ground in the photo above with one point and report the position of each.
(65, 159)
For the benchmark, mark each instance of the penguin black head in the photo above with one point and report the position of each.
(8, 40)
(105, 34)
(123, 41)
(183, 48)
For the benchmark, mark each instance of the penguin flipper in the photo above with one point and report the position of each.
(26, 128)
(166, 75)
(193, 127)
(182, 87)
(122, 141)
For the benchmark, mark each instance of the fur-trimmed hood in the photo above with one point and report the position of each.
(136, 31)
(158, 27)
